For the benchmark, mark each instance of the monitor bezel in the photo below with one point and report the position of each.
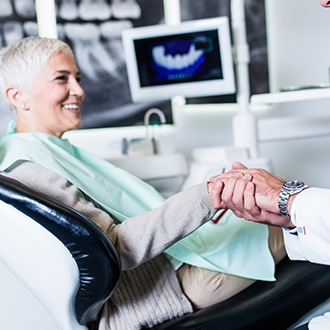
(224, 86)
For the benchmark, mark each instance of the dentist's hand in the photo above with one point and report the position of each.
(251, 194)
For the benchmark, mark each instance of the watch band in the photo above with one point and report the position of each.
(289, 188)
(283, 202)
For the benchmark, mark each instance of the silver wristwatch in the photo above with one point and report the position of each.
(289, 188)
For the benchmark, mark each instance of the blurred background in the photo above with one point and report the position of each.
(93, 29)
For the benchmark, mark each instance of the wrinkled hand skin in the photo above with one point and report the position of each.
(250, 193)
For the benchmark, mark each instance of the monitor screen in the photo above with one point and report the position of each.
(192, 59)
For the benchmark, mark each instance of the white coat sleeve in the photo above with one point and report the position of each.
(310, 213)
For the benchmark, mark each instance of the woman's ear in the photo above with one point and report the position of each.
(17, 98)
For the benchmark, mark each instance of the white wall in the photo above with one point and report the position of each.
(299, 54)
(298, 42)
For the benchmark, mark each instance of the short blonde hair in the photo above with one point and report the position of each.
(21, 62)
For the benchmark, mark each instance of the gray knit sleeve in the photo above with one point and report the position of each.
(137, 239)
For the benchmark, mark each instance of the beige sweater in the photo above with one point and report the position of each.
(149, 292)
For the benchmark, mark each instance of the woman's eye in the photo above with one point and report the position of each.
(61, 78)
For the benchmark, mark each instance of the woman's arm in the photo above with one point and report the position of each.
(139, 238)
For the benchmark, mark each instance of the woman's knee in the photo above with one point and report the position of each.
(205, 287)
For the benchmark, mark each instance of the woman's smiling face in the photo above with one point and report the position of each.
(56, 96)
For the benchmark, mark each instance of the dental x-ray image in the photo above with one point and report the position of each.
(256, 38)
(189, 57)
(93, 29)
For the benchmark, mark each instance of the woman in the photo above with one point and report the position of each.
(41, 82)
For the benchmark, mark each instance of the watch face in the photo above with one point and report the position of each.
(292, 185)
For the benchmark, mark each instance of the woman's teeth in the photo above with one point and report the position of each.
(71, 106)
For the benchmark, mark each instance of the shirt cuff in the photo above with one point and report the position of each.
(292, 244)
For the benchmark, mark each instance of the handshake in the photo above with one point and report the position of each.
(255, 195)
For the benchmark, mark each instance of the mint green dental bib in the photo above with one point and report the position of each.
(233, 245)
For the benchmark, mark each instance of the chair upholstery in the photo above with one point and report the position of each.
(300, 287)
(65, 267)
(95, 258)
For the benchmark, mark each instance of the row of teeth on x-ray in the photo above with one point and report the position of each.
(84, 37)
(86, 42)
(178, 61)
(71, 10)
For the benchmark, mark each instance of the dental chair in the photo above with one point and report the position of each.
(57, 269)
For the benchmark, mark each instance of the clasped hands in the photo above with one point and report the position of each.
(251, 194)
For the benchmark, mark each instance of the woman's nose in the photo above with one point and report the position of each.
(76, 89)
(325, 3)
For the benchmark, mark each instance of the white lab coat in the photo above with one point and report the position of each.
(310, 213)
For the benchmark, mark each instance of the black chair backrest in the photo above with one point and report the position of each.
(93, 252)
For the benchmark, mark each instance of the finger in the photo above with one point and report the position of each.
(237, 201)
(238, 194)
(249, 196)
(243, 198)
(215, 194)
(229, 190)
(250, 203)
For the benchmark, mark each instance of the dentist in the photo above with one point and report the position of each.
(303, 212)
